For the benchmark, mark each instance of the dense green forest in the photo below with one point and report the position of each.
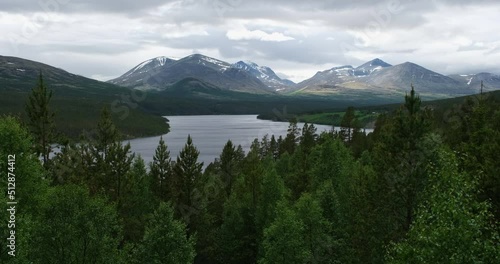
(422, 188)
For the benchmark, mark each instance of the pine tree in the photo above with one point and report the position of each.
(107, 133)
(230, 160)
(161, 172)
(41, 119)
(400, 161)
(348, 124)
(137, 202)
(308, 138)
(187, 174)
(292, 138)
(111, 159)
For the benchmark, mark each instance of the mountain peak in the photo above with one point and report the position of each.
(373, 64)
(369, 67)
(378, 62)
(264, 74)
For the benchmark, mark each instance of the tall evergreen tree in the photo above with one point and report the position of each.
(41, 119)
(137, 202)
(161, 172)
(111, 159)
(308, 138)
(292, 138)
(187, 174)
(230, 160)
(107, 133)
(348, 124)
(400, 160)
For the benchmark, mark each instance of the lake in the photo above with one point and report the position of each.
(210, 133)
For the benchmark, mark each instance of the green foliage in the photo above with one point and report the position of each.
(400, 161)
(137, 202)
(27, 176)
(273, 190)
(349, 124)
(474, 129)
(72, 227)
(41, 119)
(187, 175)
(332, 160)
(106, 133)
(230, 160)
(302, 199)
(451, 225)
(165, 240)
(317, 229)
(283, 242)
(161, 172)
(292, 138)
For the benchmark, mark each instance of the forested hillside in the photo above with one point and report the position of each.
(422, 188)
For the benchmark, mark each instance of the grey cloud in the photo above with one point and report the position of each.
(472, 47)
(336, 19)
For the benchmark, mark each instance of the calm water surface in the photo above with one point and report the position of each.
(210, 133)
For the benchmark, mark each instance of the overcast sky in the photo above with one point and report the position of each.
(102, 39)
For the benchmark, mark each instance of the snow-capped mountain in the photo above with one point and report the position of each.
(370, 67)
(160, 73)
(264, 74)
(373, 77)
(401, 76)
(137, 75)
(382, 78)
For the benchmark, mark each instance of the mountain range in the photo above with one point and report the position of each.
(161, 72)
(373, 78)
(199, 84)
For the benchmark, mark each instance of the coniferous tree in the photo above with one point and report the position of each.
(273, 190)
(107, 133)
(400, 160)
(292, 138)
(348, 124)
(308, 138)
(41, 119)
(230, 160)
(317, 229)
(138, 201)
(273, 148)
(112, 159)
(187, 174)
(161, 172)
